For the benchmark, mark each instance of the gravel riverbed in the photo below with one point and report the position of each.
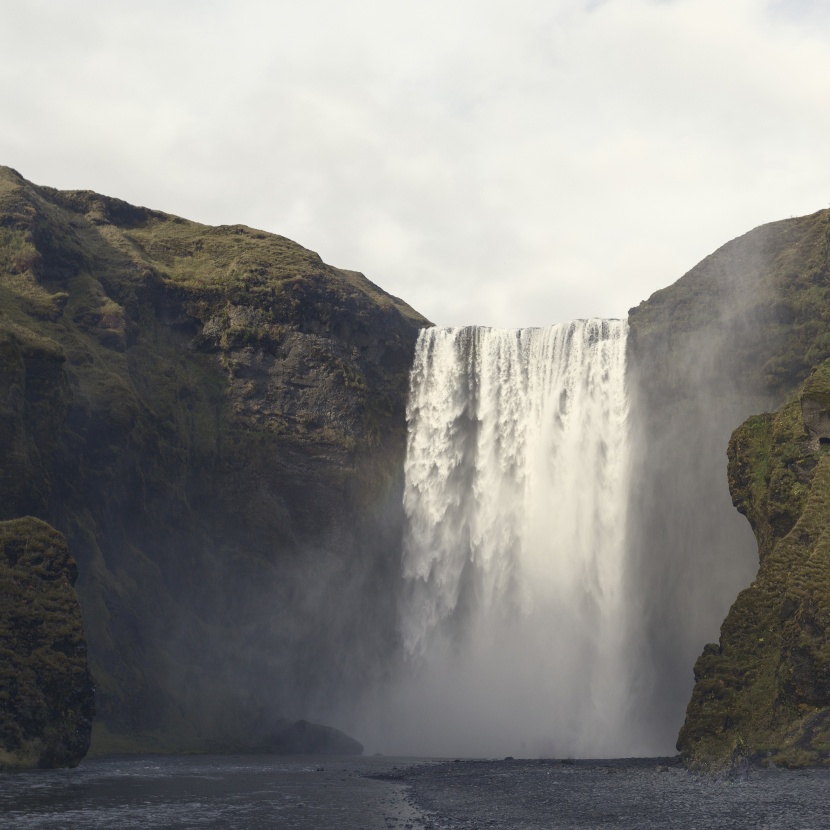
(638, 794)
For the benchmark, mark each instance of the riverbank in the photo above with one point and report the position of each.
(376, 793)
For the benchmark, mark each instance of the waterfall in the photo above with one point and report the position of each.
(514, 620)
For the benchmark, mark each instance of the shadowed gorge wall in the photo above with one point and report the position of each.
(214, 418)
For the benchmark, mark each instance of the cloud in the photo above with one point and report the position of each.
(506, 164)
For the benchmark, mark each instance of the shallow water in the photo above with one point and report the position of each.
(222, 792)
(256, 792)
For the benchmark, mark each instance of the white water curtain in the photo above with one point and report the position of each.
(517, 475)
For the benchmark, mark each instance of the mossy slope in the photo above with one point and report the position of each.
(46, 691)
(763, 692)
(215, 420)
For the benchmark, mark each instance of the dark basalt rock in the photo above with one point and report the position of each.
(46, 690)
(304, 738)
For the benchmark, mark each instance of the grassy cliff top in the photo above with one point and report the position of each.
(214, 419)
(69, 229)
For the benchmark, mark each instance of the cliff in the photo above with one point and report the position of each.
(46, 691)
(735, 336)
(763, 692)
(214, 419)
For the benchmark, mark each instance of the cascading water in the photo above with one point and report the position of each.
(516, 492)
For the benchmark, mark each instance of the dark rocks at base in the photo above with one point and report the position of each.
(47, 698)
(304, 738)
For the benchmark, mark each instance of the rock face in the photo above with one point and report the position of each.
(214, 418)
(46, 690)
(763, 692)
(735, 336)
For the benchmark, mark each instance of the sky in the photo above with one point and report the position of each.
(501, 163)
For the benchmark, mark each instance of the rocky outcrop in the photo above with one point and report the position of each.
(304, 738)
(46, 690)
(763, 692)
(214, 418)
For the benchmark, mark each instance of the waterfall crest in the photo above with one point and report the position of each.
(516, 491)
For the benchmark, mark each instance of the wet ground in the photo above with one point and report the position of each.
(253, 793)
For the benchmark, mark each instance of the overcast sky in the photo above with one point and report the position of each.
(503, 163)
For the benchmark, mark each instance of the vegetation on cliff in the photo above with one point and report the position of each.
(763, 692)
(46, 691)
(214, 418)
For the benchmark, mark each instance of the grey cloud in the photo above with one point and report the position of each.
(505, 165)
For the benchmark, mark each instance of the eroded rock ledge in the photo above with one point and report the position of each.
(763, 692)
